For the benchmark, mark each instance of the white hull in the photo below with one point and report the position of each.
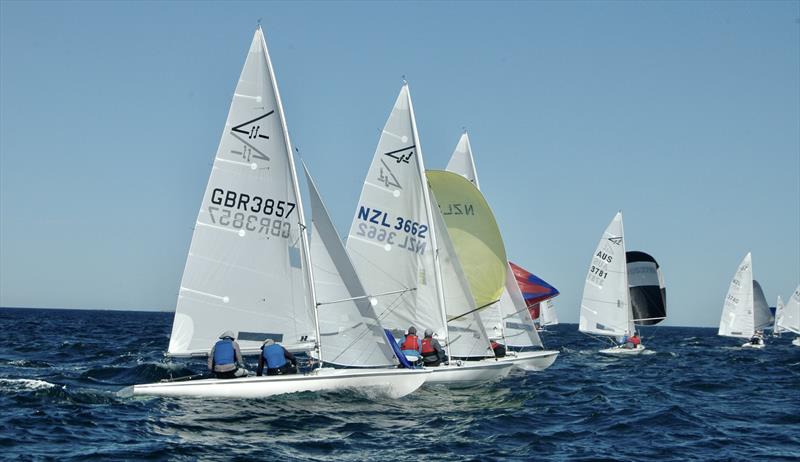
(468, 373)
(750, 345)
(532, 361)
(394, 383)
(622, 351)
(796, 341)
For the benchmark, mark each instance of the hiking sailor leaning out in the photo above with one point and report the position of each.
(225, 358)
(277, 360)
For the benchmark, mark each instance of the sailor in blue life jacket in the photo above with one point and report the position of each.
(412, 345)
(432, 352)
(225, 358)
(277, 360)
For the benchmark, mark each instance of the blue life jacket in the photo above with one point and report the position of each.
(224, 353)
(273, 355)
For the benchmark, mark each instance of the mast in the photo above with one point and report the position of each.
(296, 186)
(627, 292)
(426, 195)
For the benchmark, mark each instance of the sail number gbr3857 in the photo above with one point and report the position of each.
(251, 213)
(377, 225)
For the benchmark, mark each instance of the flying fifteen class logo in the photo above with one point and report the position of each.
(401, 155)
(249, 132)
(616, 240)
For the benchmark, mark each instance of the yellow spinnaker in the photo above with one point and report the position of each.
(474, 232)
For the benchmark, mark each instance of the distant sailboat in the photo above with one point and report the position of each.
(507, 319)
(249, 267)
(535, 290)
(606, 307)
(777, 329)
(745, 311)
(547, 314)
(790, 321)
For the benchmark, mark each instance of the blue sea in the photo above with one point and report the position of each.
(698, 397)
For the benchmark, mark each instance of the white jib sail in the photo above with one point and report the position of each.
(349, 330)
(605, 307)
(776, 327)
(791, 313)
(462, 162)
(467, 335)
(518, 326)
(389, 241)
(762, 317)
(245, 269)
(547, 313)
(737, 311)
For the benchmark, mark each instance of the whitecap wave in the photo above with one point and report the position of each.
(19, 385)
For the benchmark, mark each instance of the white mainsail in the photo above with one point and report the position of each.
(745, 309)
(547, 313)
(605, 307)
(776, 327)
(462, 162)
(509, 317)
(390, 240)
(791, 313)
(348, 324)
(247, 265)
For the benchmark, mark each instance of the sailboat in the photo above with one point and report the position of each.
(508, 318)
(536, 292)
(547, 314)
(249, 265)
(606, 308)
(790, 319)
(777, 329)
(745, 311)
(398, 242)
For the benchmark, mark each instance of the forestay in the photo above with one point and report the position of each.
(647, 291)
(605, 307)
(389, 241)
(245, 270)
(349, 330)
(737, 312)
(474, 233)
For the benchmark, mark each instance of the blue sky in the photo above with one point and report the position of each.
(685, 115)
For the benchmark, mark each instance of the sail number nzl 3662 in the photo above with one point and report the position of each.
(252, 213)
(377, 225)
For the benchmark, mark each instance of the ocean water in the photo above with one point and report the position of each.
(697, 397)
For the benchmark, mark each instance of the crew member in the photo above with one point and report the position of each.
(411, 346)
(225, 358)
(277, 360)
(432, 352)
